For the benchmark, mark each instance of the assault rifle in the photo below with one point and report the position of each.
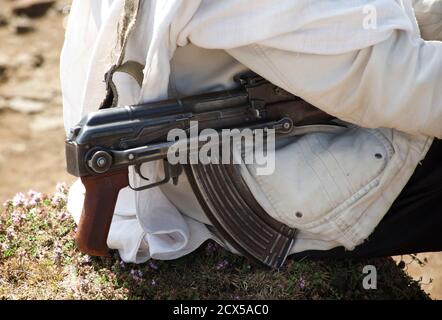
(105, 143)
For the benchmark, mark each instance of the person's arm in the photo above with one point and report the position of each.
(396, 83)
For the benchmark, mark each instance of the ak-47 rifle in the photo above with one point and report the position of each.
(105, 143)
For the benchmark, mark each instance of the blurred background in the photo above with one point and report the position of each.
(31, 124)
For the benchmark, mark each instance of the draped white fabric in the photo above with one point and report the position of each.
(146, 224)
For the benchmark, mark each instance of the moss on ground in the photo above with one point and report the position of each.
(39, 260)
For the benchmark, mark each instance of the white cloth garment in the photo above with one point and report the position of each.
(319, 50)
(429, 16)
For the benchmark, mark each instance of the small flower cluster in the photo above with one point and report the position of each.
(153, 265)
(31, 217)
(212, 247)
(57, 253)
(60, 196)
(17, 216)
(85, 259)
(61, 187)
(63, 215)
(19, 206)
(18, 200)
(137, 275)
(222, 265)
(22, 201)
(302, 283)
(34, 198)
(10, 233)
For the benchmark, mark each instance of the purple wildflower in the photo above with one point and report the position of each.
(212, 247)
(55, 201)
(16, 217)
(82, 283)
(153, 283)
(61, 187)
(10, 233)
(222, 265)
(58, 252)
(31, 202)
(58, 198)
(18, 200)
(301, 283)
(86, 259)
(152, 265)
(63, 215)
(35, 196)
(137, 275)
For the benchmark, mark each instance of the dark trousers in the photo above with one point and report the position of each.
(414, 222)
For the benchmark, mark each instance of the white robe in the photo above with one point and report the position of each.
(146, 224)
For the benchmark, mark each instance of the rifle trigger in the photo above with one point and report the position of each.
(152, 184)
(138, 171)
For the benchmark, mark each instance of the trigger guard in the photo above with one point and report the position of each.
(153, 184)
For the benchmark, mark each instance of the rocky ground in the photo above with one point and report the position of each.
(31, 127)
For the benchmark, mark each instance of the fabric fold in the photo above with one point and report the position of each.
(146, 224)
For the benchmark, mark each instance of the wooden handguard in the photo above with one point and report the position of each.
(98, 209)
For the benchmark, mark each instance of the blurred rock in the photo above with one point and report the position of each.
(34, 89)
(25, 105)
(4, 66)
(15, 148)
(32, 8)
(3, 20)
(3, 104)
(32, 60)
(3, 70)
(23, 26)
(37, 60)
(46, 123)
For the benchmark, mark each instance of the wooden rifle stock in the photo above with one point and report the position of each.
(98, 209)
